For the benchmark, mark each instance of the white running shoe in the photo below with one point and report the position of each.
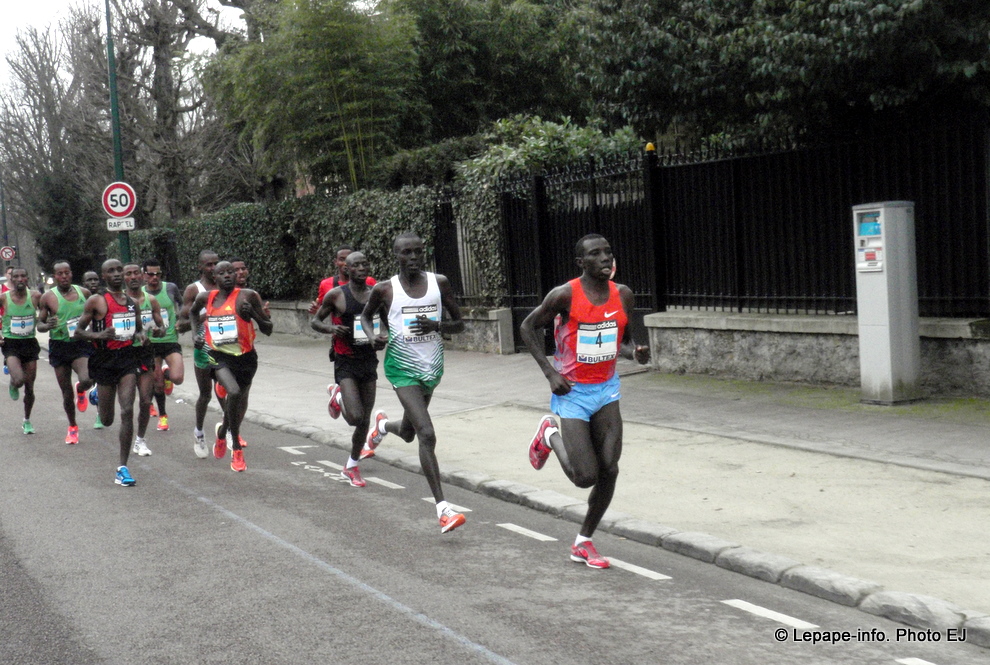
(141, 447)
(200, 446)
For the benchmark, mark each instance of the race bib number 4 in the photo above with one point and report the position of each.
(22, 326)
(597, 342)
(410, 314)
(124, 324)
(223, 329)
(359, 335)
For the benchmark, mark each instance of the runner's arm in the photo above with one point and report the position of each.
(156, 316)
(253, 308)
(93, 310)
(378, 302)
(629, 348)
(531, 330)
(195, 309)
(47, 319)
(188, 298)
(330, 305)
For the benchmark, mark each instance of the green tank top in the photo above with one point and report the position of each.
(18, 320)
(167, 310)
(68, 315)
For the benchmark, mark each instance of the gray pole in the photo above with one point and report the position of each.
(3, 216)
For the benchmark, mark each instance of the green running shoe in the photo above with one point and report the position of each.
(14, 393)
(98, 424)
(28, 428)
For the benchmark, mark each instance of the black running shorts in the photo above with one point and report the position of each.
(61, 352)
(26, 350)
(165, 349)
(243, 367)
(362, 369)
(108, 366)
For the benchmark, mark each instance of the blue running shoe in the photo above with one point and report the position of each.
(5, 370)
(94, 397)
(124, 477)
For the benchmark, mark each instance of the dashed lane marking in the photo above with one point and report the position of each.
(454, 506)
(769, 614)
(632, 568)
(385, 483)
(526, 532)
(913, 661)
(377, 481)
(295, 450)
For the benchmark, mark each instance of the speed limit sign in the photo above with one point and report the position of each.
(119, 199)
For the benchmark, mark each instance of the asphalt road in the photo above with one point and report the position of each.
(288, 564)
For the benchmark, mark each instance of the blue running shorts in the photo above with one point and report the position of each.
(586, 399)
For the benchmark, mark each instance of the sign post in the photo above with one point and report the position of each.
(118, 160)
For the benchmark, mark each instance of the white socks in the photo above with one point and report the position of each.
(351, 463)
(441, 506)
(581, 539)
(547, 433)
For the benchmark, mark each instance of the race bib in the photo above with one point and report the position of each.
(597, 342)
(223, 329)
(124, 324)
(164, 313)
(358, 333)
(146, 319)
(22, 326)
(410, 314)
(71, 325)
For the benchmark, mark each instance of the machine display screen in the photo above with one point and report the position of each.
(869, 225)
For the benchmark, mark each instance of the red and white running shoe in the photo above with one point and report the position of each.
(353, 476)
(539, 451)
(449, 520)
(333, 406)
(587, 554)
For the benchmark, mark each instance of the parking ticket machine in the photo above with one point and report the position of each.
(887, 302)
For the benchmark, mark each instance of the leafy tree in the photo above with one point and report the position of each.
(481, 60)
(325, 94)
(782, 66)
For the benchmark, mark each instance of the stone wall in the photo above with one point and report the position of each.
(955, 353)
(486, 330)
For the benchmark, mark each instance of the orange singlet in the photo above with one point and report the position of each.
(226, 331)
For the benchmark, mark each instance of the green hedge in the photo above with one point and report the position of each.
(289, 245)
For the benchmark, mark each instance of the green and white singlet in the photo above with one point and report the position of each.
(167, 309)
(68, 315)
(414, 359)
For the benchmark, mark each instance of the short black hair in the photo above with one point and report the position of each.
(579, 247)
(341, 248)
(237, 258)
(147, 263)
(58, 261)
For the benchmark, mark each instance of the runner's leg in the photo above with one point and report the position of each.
(126, 390)
(63, 375)
(415, 404)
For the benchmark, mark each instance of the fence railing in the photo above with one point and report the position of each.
(769, 232)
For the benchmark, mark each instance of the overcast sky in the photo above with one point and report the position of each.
(19, 14)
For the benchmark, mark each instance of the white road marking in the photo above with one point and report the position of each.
(454, 506)
(294, 449)
(769, 614)
(913, 661)
(385, 483)
(526, 532)
(653, 575)
(379, 481)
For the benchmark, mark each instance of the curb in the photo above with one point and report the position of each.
(915, 610)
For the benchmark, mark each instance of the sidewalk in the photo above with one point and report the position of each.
(896, 496)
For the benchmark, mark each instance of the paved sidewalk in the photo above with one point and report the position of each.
(885, 507)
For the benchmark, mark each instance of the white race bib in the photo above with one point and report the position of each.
(124, 323)
(359, 336)
(71, 325)
(22, 326)
(223, 329)
(164, 313)
(413, 312)
(146, 319)
(597, 342)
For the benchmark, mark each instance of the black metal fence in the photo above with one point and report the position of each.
(769, 232)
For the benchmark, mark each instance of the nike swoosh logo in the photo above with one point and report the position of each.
(615, 394)
(608, 314)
